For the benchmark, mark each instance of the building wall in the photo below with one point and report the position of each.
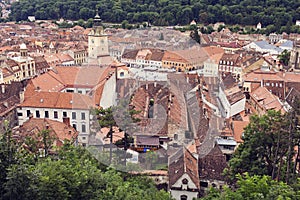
(237, 107)
(295, 58)
(123, 73)
(210, 69)
(190, 194)
(211, 183)
(110, 93)
(1, 76)
(276, 87)
(225, 103)
(176, 194)
(179, 66)
(8, 79)
(78, 121)
(98, 45)
(27, 66)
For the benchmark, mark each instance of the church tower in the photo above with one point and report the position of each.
(97, 40)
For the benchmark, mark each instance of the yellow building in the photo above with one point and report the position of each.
(172, 60)
(6, 76)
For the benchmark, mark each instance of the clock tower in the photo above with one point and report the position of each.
(97, 40)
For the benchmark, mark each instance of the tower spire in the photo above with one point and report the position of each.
(97, 19)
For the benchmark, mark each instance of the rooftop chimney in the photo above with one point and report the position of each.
(66, 120)
(21, 95)
(3, 89)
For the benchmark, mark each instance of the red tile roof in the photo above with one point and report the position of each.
(59, 100)
(59, 130)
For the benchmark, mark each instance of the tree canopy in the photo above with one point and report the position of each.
(268, 146)
(72, 173)
(165, 12)
(255, 188)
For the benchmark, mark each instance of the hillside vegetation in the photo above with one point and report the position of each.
(165, 12)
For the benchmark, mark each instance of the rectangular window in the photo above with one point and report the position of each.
(203, 184)
(28, 113)
(83, 128)
(20, 114)
(46, 114)
(74, 126)
(83, 116)
(37, 114)
(64, 114)
(73, 115)
(55, 115)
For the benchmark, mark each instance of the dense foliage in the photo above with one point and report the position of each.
(256, 188)
(71, 174)
(268, 147)
(165, 12)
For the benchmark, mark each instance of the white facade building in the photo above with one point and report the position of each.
(232, 100)
(74, 108)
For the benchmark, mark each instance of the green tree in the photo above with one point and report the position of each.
(8, 154)
(75, 174)
(266, 144)
(284, 57)
(195, 35)
(254, 188)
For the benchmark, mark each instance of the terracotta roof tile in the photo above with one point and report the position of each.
(58, 100)
(59, 130)
(183, 162)
(265, 99)
(238, 130)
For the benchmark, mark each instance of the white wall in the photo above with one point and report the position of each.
(210, 69)
(78, 121)
(225, 102)
(109, 99)
(177, 193)
(237, 107)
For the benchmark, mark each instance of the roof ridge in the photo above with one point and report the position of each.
(57, 79)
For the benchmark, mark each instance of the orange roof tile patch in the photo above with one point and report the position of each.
(214, 53)
(59, 130)
(238, 130)
(173, 57)
(266, 99)
(117, 135)
(59, 100)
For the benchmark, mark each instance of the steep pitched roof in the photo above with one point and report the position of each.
(212, 165)
(183, 162)
(238, 130)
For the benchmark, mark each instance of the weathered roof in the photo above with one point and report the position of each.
(147, 140)
(59, 100)
(212, 165)
(183, 162)
(59, 130)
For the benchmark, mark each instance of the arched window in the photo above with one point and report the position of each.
(183, 197)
